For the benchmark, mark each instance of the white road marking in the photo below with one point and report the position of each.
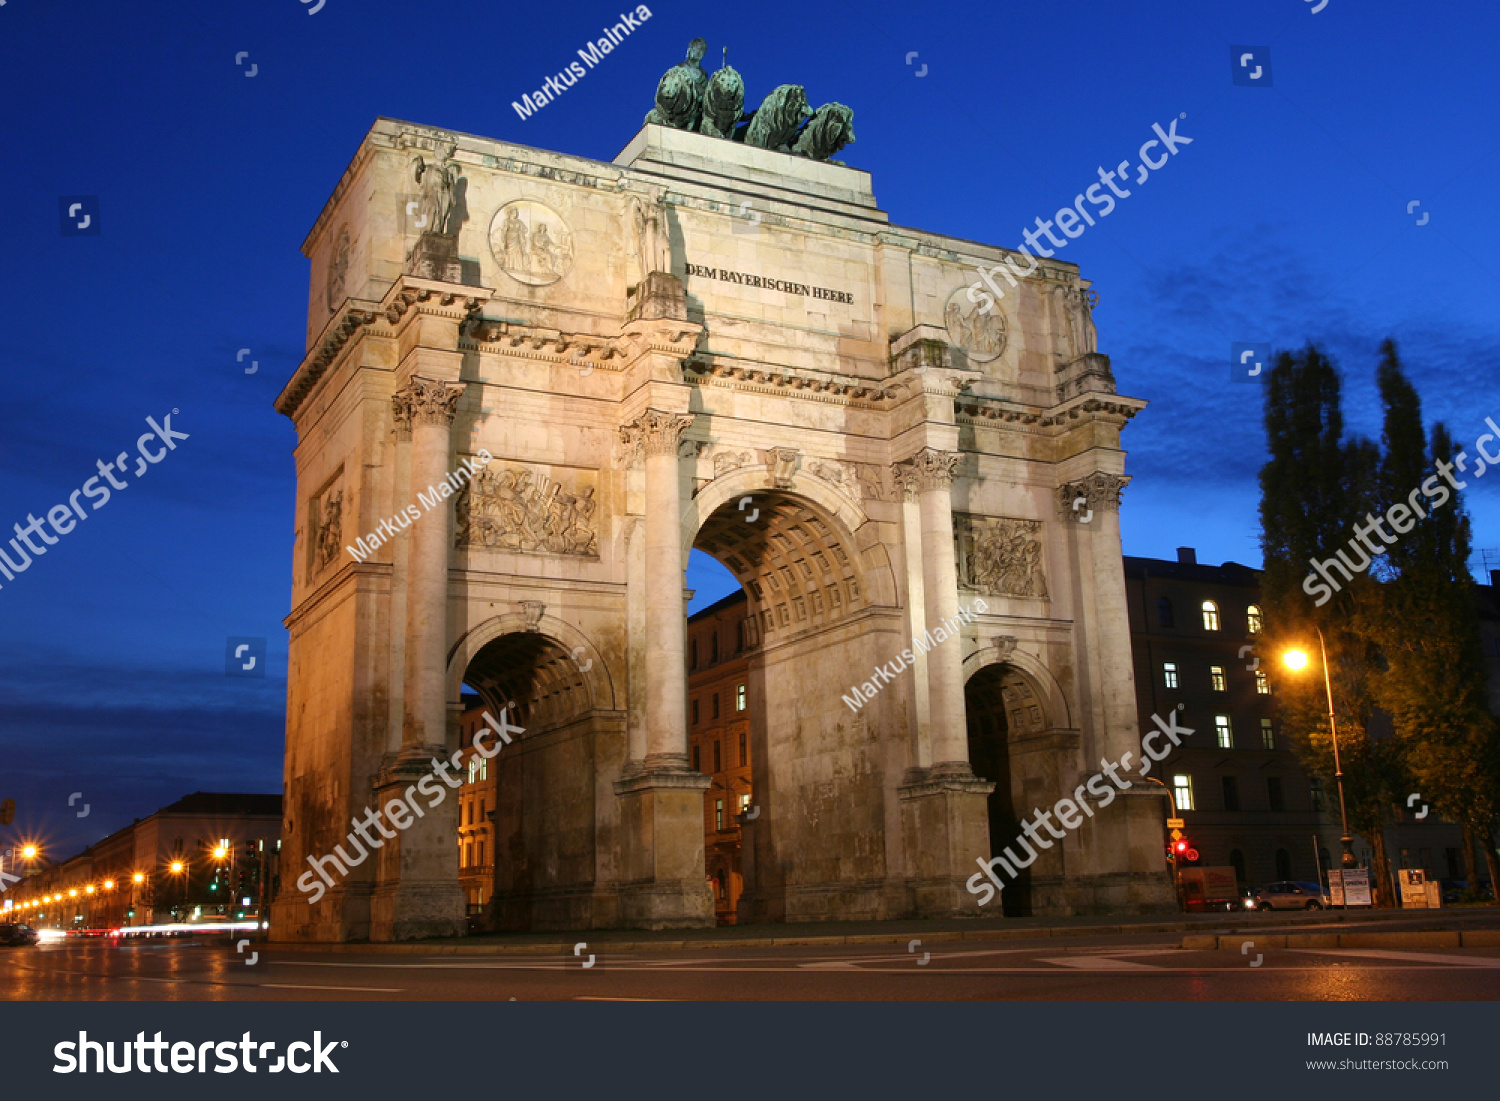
(1100, 963)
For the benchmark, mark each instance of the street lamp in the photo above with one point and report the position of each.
(1296, 660)
(29, 852)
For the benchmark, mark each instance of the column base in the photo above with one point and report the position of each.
(945, 825)
(664, 884)
(417, 895)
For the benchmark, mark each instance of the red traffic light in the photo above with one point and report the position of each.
(1181, 847)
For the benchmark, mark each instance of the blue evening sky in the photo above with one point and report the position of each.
(1285, 221)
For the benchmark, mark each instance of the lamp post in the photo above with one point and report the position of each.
(1296, 659)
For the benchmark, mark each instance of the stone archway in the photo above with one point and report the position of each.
(1007, 719)
(493, 466)
(820, 774)
(545, 849)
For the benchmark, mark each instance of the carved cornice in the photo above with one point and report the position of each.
(807, 385)
(927, 469)
(1100, 491)
(436, 301)
(1120, 409)
(654, 432)
(329, 348)
(425, 401)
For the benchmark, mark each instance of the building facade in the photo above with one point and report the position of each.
(515, 423)
(1246, 799)
(720, 640)
(209, 853)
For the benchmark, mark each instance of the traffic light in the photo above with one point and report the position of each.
(1183, 850)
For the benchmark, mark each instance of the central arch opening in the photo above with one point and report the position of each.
(789, 814)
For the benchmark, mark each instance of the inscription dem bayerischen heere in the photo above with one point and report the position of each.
(724, 275)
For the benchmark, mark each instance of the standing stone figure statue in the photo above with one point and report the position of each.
(780, 116)
(513, 240)
(723, 101)
(679, 94)
(437, 180)
(652, 244)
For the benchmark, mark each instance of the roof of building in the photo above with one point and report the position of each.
(1187, 568)
(737, 597)
(224, 803)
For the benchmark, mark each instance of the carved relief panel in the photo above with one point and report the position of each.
(522, 508)
(1000, 556)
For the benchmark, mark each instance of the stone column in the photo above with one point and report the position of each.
(661, 818)
(660, 436)
(945, 822)
(418, 893)
(930, 477)
(1119, 869)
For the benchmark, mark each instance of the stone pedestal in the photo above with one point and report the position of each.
(435, 256)
(946, 826)
(663, 885)
(658, 296)
(418, 894)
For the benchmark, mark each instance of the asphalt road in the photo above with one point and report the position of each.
(1137, 967)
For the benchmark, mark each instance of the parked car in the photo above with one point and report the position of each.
(1290, 895)
(17, 933)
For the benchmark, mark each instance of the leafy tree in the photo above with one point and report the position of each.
(1314, 489)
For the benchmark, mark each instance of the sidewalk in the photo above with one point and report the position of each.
(810, 934)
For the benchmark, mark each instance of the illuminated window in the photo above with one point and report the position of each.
(484, 767)
(744, 802)
(739, 698)
(1210, 615)
(1182, 792)
(473, 768)
(1169, 673)
(1252, 619)
(1262, 685)
(1267, 734)
(718, 814)
(1226, 732)
(1216, 674)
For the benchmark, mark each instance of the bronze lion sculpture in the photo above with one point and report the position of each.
(831, 128)
(780, 116)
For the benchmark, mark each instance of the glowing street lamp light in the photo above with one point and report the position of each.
(1297, 660)
(139, 877)
(109, 884)
(29, 852)
(177, 867)
(220, 852)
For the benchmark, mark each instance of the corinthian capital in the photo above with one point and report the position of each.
(655, 433)
(927, 469)
(425, 401)
(1100, 492)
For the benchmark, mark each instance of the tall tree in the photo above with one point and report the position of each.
(1314, 489)
(1432, 679)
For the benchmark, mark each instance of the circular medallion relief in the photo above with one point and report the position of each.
(981, 335)
(531, 242)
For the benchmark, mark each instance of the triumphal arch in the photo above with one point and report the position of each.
(717, 344)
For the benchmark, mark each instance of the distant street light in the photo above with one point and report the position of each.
(1297, 660)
